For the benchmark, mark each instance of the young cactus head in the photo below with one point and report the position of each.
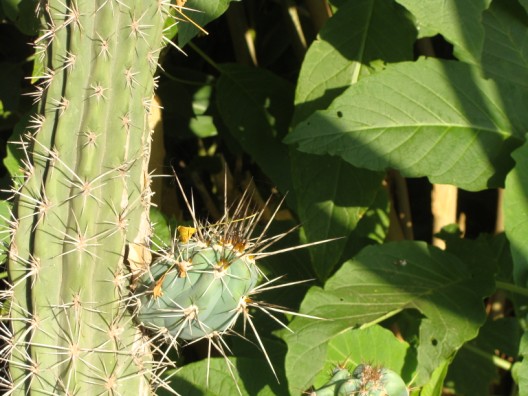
(199, 290)
(365, 380)
(201, 285)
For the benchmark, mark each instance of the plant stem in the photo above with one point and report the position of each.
(512, 288)
(497, 361)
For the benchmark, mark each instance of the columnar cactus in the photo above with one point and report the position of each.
(81, 211)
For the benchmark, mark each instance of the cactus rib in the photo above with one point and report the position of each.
(84, 198)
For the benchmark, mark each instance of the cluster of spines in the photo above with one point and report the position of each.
(82, 201)
(240, 238)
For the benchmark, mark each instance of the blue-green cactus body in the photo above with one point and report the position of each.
(365, 380)
(379, 381)
(198, 292)
(341, 381)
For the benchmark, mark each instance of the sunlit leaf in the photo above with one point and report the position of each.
(431, 118)
(361, 31)
(379, 282)
(459, 22)
(516, 226)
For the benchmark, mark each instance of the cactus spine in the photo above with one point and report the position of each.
(83, 202)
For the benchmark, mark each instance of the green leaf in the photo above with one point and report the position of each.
(473, 370)
(15, 153)
(360, 32)
(524, 3)
(520, 369)
(435, 385)
(516, 227)
(5, 229)
(22, 12)
(379, 282)
(427, 118)
(11, 75)
(374, 345)
(201, 12)
(482, 255)
(164, 228)
(459, 22)
(256, 107)
(332, 198)
(253, 377)
(503, 58)
(516, 214)
(188, 103)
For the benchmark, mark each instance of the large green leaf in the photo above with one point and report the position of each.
(378, 282)
(203, 12)
(256, 107)
(516, 214)
(473, 370)
(252, 376)
(360, 32)
(520, 369)
(505, 45)
(427, 118)
(516, 227)
(459, 22)
(332, 198)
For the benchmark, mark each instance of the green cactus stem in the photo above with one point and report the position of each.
(365, 380)
(83, 201)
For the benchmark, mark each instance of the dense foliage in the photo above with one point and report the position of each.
(333, 105)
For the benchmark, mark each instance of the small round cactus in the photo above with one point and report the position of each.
(207, 279)
(199, 290)
(341, 379)
(365, 380)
